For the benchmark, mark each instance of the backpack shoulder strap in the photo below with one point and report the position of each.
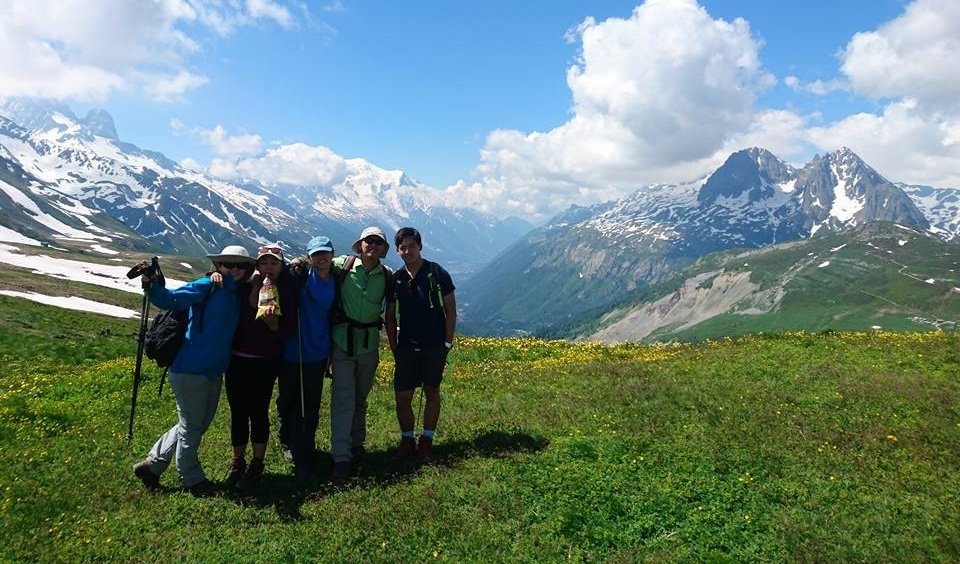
(345, 271)
(387, 279)
(203, 306)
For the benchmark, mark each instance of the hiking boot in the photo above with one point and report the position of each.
(150, 480)
(251, 479)
(340, 472)
(358, 455)
(205, 488)
(303, 473)
(237, 469)
(407, 447)
(424, 448)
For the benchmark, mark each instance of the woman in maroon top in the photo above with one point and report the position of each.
(255, 364)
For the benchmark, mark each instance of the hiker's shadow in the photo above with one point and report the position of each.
(381, 468)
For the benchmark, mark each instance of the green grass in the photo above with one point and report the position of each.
(799, 447)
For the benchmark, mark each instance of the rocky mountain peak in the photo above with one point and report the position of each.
(99, 122)
(751, 171)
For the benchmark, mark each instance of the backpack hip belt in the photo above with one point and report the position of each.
(352, 325)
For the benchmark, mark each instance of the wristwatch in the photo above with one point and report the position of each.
(448, 344)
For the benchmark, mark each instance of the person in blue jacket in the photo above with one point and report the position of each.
(197, 371)
(306, 354)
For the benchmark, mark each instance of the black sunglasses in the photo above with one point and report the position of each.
(374, 241)
(233, 264)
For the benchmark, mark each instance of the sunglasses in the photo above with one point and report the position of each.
(264, 250)
(377, 241)
(233, 264)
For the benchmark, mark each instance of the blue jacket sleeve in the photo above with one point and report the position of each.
(181, 298)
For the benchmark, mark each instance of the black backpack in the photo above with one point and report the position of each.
(166, 334)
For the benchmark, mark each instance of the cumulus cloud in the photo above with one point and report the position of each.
(87, 50)
(224, 144)
(655, 95)
(916, 55)
(904, 143)
(171, 88)
(910, 62)
(818, 87)
(297, 164)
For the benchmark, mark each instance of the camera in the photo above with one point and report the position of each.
(150, 271)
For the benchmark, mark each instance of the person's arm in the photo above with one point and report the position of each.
(390, 323)
(450, 311)
(181, 298)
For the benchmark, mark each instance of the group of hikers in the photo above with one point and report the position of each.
(264, 320)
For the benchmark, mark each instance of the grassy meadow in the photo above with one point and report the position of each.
(791, 447)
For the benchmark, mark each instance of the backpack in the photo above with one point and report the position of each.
(434, 290)
(166, 334)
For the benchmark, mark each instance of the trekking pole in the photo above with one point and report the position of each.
(416, 420)
(162, 378)
(137, 371)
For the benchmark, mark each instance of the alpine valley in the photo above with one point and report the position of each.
(616, 271)
(65, 179)
(757, 245)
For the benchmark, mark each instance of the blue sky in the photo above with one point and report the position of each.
(514, 107)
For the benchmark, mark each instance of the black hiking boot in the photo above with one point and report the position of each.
(252, 478)
(406, 449)
(340, 472)
(205, 488)
(150, 480)
(237, 468)
(424, 450)
(358, 455)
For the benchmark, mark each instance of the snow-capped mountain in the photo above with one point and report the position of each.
(586, 260)
(102, 188)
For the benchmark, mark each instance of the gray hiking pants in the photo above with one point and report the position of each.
(352, 379)
(197, 399)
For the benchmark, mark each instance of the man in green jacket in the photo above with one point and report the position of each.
(356, 344)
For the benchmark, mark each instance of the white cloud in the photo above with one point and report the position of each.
(912, 61)
(916, 55)
(297, 163)
(656, 95)
(818, 87)
(224, 144)
(904, 143)
(191, 164)
(170, 88)
(265, 9)
(87, 50)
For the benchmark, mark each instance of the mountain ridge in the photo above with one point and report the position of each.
(184, 211)
(623, 247)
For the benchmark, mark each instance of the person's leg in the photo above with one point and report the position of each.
(305, 433)
(405, 416)
(197, 399)
(288, 401)
(342, 405)
(431, 369)
(404, 387)
(366, 372)
(262, 380)
(237, 384)
(165, 448)
(431, 410)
